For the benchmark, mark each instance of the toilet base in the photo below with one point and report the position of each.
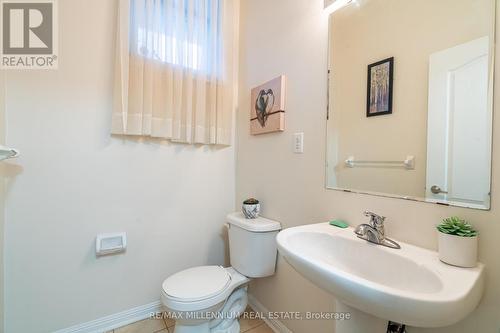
(202, 328)
(205, 328)
(233, 328)
(225, 321)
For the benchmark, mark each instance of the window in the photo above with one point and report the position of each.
(178, 32)
(174, 70)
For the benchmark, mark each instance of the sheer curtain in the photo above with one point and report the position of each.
(174, 75)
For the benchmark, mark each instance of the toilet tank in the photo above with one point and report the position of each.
(252, 245)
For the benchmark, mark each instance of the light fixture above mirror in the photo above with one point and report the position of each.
(334, 5)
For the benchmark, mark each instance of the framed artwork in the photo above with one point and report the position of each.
(379, 94)
(267, 112)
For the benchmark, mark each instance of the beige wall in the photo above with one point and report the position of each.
(291, 37)
(74, 181)
(409, 31)
(2, 200)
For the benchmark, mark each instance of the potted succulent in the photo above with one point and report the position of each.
(457, 242)
(251, 208)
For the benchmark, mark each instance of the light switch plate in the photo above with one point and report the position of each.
(298, 143)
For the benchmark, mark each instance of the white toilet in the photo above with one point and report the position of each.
(209, 299)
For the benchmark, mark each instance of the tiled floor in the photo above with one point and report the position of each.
(247, 325)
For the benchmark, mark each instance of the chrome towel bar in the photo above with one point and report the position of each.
(6, 153)
(408, 163)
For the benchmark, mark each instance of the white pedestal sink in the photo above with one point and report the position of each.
(409, 285)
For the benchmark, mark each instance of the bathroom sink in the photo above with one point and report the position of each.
(408, 285)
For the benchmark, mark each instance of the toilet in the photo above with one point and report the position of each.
(209, 299)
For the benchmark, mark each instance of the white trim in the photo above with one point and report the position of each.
(276, 325)
(116, 320)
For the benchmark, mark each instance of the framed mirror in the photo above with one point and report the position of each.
(411, 100)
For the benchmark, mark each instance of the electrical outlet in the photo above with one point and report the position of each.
(298, 143)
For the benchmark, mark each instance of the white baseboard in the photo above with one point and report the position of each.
(142, 312)
(276, 325)
(116, 320)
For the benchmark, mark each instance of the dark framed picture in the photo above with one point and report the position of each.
(379, 95)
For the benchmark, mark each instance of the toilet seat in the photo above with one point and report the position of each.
(201, 287)
(197, 283)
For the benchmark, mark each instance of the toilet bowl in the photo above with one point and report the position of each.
(209, 299)
(205, 299)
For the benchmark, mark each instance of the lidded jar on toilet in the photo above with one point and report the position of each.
(202, 289)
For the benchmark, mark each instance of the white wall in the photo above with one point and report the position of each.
(290, 37)
(74, 181)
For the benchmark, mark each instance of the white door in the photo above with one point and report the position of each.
(459, 125)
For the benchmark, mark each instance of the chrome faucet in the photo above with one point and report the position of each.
(374, 232)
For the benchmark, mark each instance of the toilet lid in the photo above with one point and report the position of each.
(197, 283)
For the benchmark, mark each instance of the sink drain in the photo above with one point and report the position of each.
(396, 328)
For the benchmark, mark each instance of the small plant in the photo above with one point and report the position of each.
(457, 226)
(251, 201)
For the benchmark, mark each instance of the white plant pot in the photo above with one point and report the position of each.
(458, 251)
(251, 211)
